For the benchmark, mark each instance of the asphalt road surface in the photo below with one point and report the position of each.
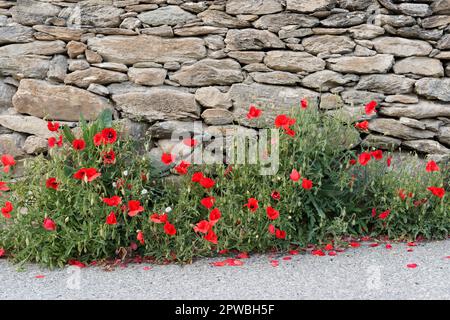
(361, 273)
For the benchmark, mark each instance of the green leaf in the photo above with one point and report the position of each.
(67, 133)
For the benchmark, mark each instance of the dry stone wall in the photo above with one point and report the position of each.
(160, 64)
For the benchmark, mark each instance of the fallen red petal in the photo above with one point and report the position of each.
(293, 252)
(388, 246)
(332, 253)
(412, 265)
(287, 258)
(39, 276)
(373, 245)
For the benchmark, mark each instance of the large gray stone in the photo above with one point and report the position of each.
(170, 15)
(307, 6)
(36, 48)
(16, 34)
(381, 142)
(344, 19)
(217, 116)
(251, 39)
(444, 135)
(59, 102)
(275, 77)
(100, 15)
(444, 42)
(328, 44)
(130, 50)
(401, 47)
(11, 143)
(423, 66)
(6, 93)
(293, 61)
(147, 76)
(221, 19)
(61, 33)
(274, 22)
(395, 128)
(386, 83)
(380, 63)
(211, 97)
(272, 100)
(436, 21)
(441, 7)
(30, 12)
(83, 78)
(26, 124)
(258, 7)
(58, 68)
(326, 79)
(366, 31)
(426, 146)
(209, 72)
(165, 129)
(361, 98)
(434, 88)
(415, 9)
(25, 66)
(156, 103)
(421, 110)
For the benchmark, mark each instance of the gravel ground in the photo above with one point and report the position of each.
(361, 273)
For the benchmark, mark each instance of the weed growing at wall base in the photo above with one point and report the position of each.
(94, 197)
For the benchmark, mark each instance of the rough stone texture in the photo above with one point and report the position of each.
(379, 63)
(434, 88)
(293, 61)
(209, 72)
(156, 104)
(58, 102)
(129, 50)
(390, 84)
(423, 66)
(163, 62)
(402, 47)
(26, 124)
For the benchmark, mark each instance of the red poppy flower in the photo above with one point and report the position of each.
(111, 218)
(374, 212)
(363, 125)
(384, 214)
(252, 204)
(159, 218)
(272, 213)
(280, 234)
(214, 216)
(78, 144)
(203, 226)
(87, 174)
(169, 229)
(49, 224)
(52, 126)
(354, 244)
(51, 183)
(271, 229)
(167, 158)
(275, 195)
(432, 166)
(207, 183)
(438, 192)
(114, 201)
(6, 210)
(52, 142)
(401, 194)
(134, 207)
(190, 142)
(388, 246)
(364, 158)
(197, 176)
(182, 168)
(307, 184)
(304, 103)
(98, 139)
(2, 252)
(370, 107)
(109, 157)
(412, 265)
(140, 237)
(76, 263)
(281, 120)
(208, 202)
(211, 237)
(7, 161)
(352, 162)
(109, 135)
(389, 161)
(3, 186)
(294, 176)
(318, 253)
(377, 154)
(253, 112)
(289, 131)
(329, 247)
